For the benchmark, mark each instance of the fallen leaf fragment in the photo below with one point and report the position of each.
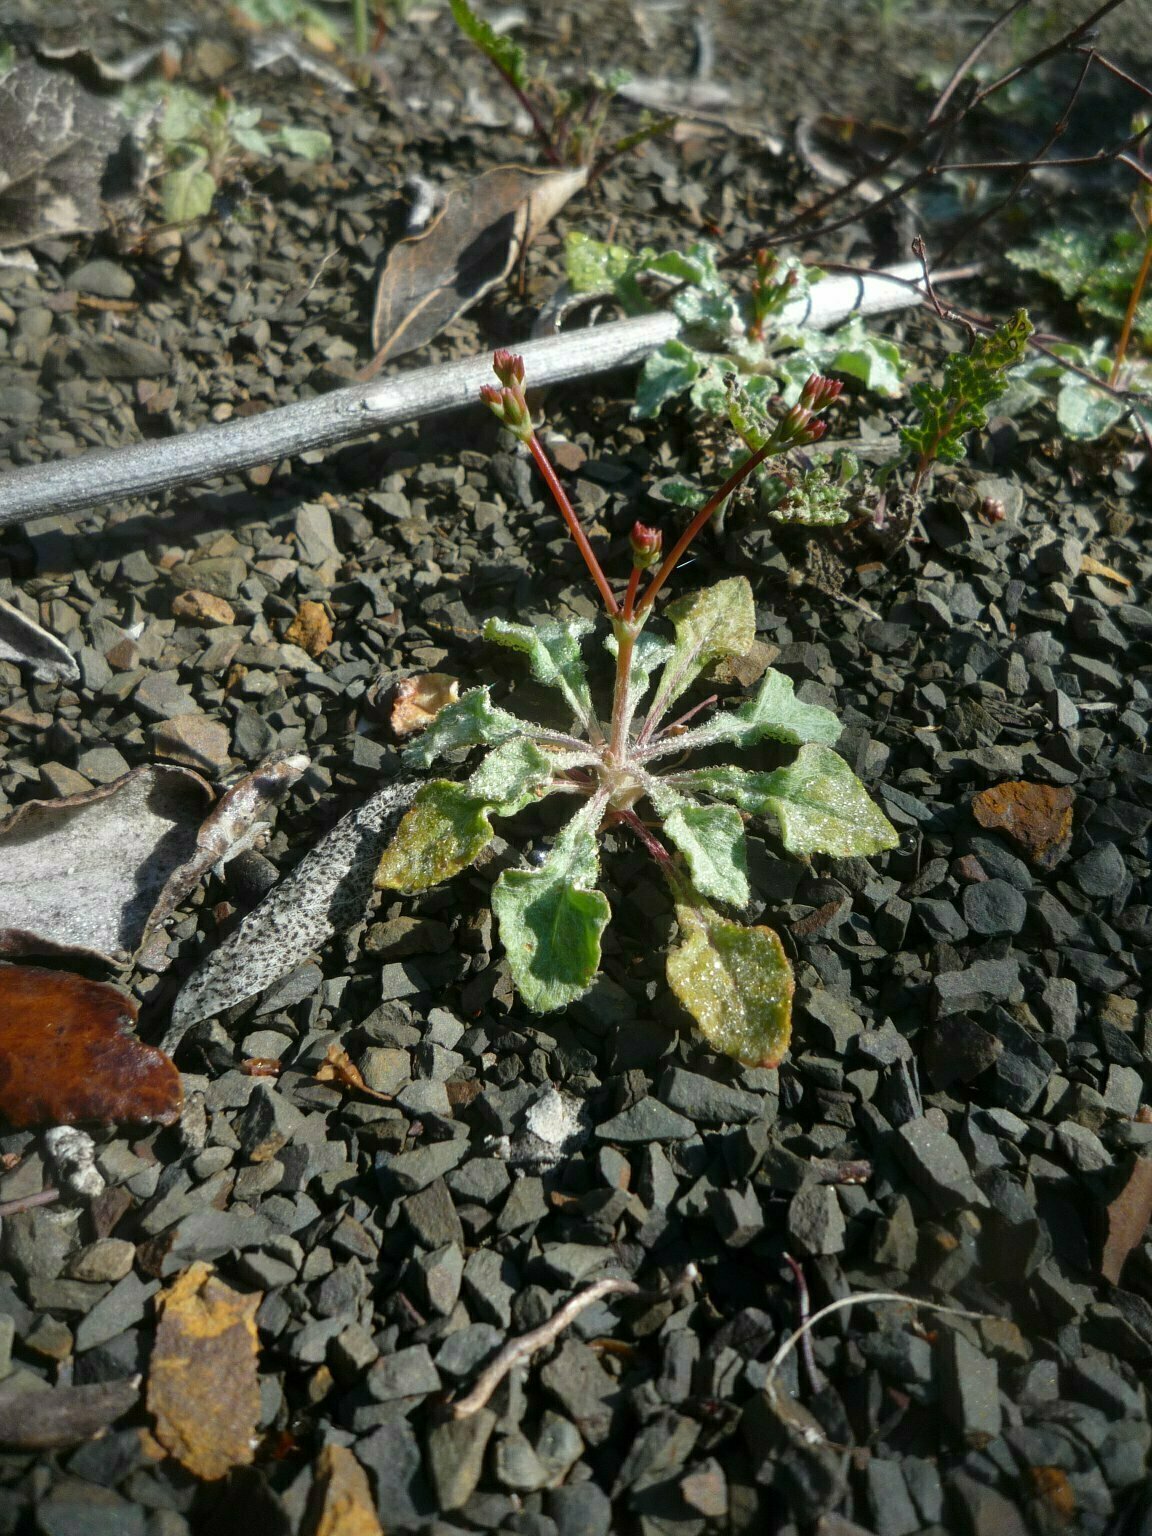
(1090, 566)
(29, 645)
(469, 247)
(81, 874)
(1127, 1218)
(416, 701)
(66, 1055)
(341, 1502)
(311, 629)
(328, 890)
(1055, 1494)
(1037, 816)
(42, 1421)
(338, 1067)
(202, 1386)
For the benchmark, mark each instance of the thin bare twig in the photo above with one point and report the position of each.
(815, 1379)
(970, 59)
(808, 1433)
(28, 1202)
(517, 1350)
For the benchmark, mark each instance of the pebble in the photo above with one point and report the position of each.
(994, 907)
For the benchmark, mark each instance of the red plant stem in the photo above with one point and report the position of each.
(653, 844)
(1130, 313)
(630, 594)
(683, 719)
(736, 478)
(567, 511)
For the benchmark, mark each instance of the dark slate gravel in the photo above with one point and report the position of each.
(965, 1097)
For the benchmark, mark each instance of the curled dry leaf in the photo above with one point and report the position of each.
(469, 247)
(44, 1421)
(1037, 816)
(327, 891)
(202, 1386)
(66, 1054)
(92, 874)
(23, 641)
(416, 701)
(57, 140)
(338, 1067)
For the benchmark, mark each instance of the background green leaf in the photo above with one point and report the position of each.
(822, 807)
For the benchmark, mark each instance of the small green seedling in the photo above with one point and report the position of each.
(627, 772)
(568, 125)
(204, 141)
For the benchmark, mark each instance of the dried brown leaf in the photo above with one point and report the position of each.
(471, 245)
(416, 701)
(1128, 1216)
(1037, 816)
(1090, 566)
(66, 1055)
(338, 1067)
(202, 1386)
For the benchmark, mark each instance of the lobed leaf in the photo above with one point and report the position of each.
(774, 711)
(507, 56)
(750, 792)
(551, 919)
(822, 807)
(472, 721)
(553, 651)
(710, 625)
(666, 374)
(736, 983)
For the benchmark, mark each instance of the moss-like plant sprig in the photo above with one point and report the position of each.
(626, 770)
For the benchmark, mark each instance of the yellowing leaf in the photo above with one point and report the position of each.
(736, 983)
(444, 832)
(822, 807)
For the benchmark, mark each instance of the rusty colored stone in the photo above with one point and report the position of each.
(311, 629)
(1036, 816)
(203, 1389)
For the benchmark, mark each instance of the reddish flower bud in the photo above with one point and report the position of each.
(646, 544)
(819, 392)
(508, 366)
(493, 396)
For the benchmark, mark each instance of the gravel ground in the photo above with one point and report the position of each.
(963, 1114)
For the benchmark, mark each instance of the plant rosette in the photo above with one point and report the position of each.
(628, 771)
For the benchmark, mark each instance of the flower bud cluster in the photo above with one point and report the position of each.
(646, 544)
(799, 427)
(507, 400)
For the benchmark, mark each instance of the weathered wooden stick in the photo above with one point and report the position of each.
(92, 479)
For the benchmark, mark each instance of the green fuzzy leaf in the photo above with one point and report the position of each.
(445, 830)
(507, 56)
(511, 775)
(251, 139)
(187, 192)
(596, 266)
(774, 711)
(666, 374)
(472, 721)
(711, 838)
(748, 791)
(822, 807)
(875, 361)
(304, 143)
(553, 651)
(736, 983)
(551, 919)
(711, 625)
